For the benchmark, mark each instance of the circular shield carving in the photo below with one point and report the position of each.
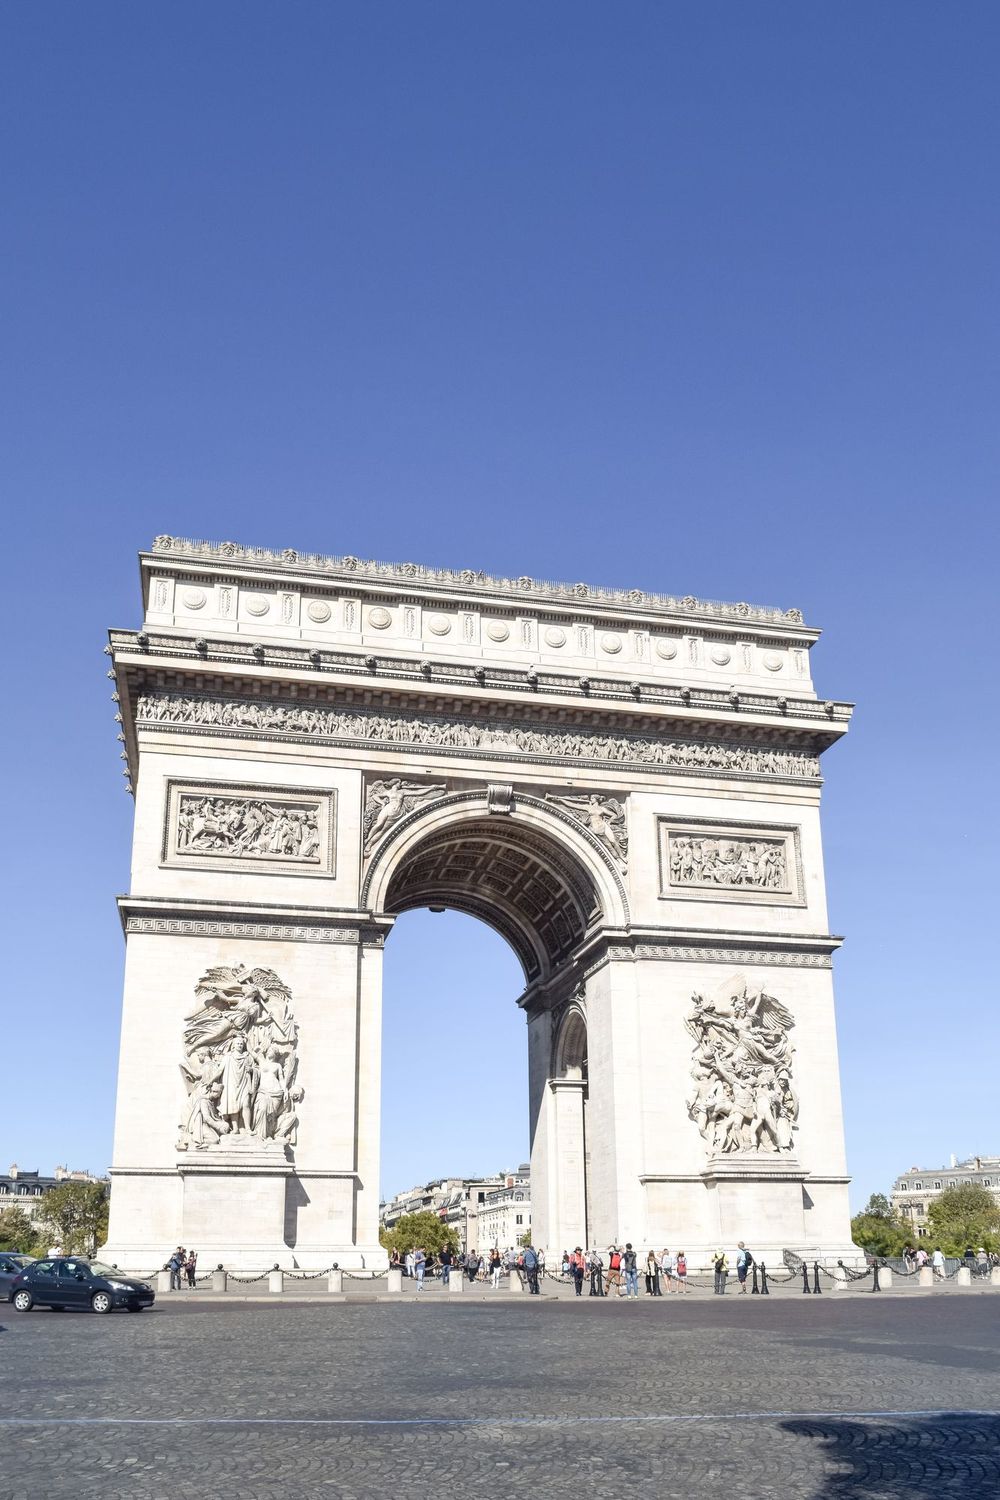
(438, 624)
(498, 631)
(194, 598)
(666, 649)
(257, 605)
(773, 661)
(612, 644)
(721, 656)
(318, 611)
(379, 618)
(554, 636)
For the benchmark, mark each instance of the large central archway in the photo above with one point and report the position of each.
(547, 888)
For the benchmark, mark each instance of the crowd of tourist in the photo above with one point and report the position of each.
(616, 1272)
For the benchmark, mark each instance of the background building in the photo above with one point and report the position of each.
(916, 1189)
(26, 1190)
(459, 1203)
(505, 1214)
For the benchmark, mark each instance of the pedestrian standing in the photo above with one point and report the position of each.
(191, 1267)
(721, 1267)
(174, 1267)
(531, 1269)
(496, 1268)
(681, 1271)
(630, 1266)
(408, 1263)
(472, 1265)
(937, 1262)
(596, 1274)
(446, 1257)
(652, 1275)
(667, 1269)
(419, 1266)
(578, 1267)
(744, 1260)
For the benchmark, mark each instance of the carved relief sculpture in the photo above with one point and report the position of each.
(760, 864)
(604, 817)
(441, 733)
(742, 1070)
(388, 801)
(248, 828)
(240, 1061)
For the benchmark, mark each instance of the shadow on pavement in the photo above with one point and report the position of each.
(905, 1458)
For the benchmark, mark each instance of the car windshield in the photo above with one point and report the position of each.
(98, 1268)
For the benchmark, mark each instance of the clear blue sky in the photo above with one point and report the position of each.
(689, 297)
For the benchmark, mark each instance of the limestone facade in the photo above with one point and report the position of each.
(625, 786)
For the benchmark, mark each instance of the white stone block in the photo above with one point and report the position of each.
(925, 1277)
(276, 1281)
(394, 1281)
(964, 1277)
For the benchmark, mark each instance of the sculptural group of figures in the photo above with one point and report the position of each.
(240, 1047)
(456, 734)
(239, 827)
(727, 862)
(742, 1068)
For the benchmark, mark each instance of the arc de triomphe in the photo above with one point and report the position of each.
(626, 786)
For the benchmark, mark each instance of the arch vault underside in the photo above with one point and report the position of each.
(318, 747)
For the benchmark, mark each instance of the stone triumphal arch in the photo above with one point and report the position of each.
(624, 785)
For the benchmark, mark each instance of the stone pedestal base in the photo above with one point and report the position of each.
(236, 1196)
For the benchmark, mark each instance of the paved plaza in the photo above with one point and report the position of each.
(844, 1397)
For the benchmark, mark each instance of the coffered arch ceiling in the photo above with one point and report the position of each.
(509, 875)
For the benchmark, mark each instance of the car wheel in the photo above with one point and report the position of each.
(101, 1302)
(23, 1301)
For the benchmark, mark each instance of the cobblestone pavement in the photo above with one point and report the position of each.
(833, 1398)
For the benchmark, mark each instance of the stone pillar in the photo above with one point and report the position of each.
(335, 1282)
(567, 1161)
(219, 1280)
(925, 1277)
(276, 1281)
(394, 1281)
(964, 1277)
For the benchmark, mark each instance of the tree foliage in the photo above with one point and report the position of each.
(879, 1229)
(423, 1230)
(17, 1231)
(965, 1215)
(75, 1214)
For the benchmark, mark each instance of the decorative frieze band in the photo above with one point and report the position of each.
(677, 953)
(494, 740)
(294, 932)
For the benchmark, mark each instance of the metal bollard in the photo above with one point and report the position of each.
(816, 1286)
(219, 1280)
(394, 1281)
(764, 1292)
(755, 1289)
(805, 1278)
(875, 1281)
(276, 1280)
(335, 1280)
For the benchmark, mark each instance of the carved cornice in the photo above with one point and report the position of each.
(180, 917)
(467, 580)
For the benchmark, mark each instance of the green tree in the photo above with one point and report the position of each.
(424, 1230)
(964, 1215)
(878, 1229)
(75, 1215)
(524, 1239)
(17, 1231)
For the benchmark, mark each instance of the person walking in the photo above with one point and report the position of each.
(596, 1274)
(744, 1260)
(419, 1266)
(578, 1267)
(531, 1269)
(630, 1266)
(937, 1263)
(496, 1267)
(721, 1267)
(681, 1271)
(190, 1269)
(472, 1265)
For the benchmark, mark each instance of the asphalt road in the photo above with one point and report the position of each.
(819, 1399)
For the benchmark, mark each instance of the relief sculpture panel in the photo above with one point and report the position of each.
(708, 861)
(274, 829)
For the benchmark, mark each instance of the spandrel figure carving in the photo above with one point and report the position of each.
(241, 1060)
(741, 1067)
(390, 800)
(604, 817)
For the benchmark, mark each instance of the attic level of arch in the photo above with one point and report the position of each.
(160, 660)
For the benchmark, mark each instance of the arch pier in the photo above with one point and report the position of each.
(625, 786)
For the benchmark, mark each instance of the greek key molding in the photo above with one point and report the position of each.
(497, 740)
(263, 931)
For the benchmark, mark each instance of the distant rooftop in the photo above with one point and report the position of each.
(467, 578)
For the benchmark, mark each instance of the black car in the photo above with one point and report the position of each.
(11, 1266)
(74, 1281)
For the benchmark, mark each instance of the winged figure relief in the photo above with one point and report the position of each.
(390, 800)
(742, 1061)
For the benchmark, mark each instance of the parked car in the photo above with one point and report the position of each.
(11, 1266)
(75, 1281)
